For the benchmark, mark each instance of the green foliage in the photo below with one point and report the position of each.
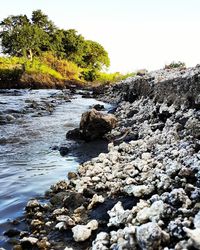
(95, 56)
(24, 37)
(67, 69)
(103, 77)
(174, 65)
(37, 66)
(108, 78)
(46, 64)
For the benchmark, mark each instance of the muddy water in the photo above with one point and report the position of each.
(32, 122)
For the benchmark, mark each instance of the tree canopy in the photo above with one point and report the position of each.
(29, 37)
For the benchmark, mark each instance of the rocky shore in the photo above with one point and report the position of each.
(145, 192)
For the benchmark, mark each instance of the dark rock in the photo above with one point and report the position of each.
(197, 147)
(87, 95)
(12, 233)
(72, 175)
(131, 113)
(64, 150)
(74, 134)
(58, 198)
(95, 124)
(74, 200)
(88, 193)
(54, 148)
(99, 107)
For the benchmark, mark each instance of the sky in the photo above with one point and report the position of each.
(137, 34)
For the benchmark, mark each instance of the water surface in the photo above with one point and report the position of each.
(28, 165)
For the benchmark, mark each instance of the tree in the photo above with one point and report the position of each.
(95, 56)
(42, 21)
(23, 37)
(73, 45)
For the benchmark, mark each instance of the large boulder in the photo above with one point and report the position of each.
(95, 124)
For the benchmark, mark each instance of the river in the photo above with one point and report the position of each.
(32, 123)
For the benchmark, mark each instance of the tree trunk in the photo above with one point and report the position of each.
(30, 55)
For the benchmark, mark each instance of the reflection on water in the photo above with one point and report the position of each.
(27, 164)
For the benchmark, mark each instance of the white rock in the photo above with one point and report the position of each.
(197, 220)
(140, 190)
(81, 233)
(33, 204)
(32, 240)
(149, 236)
(194, 236)
(118, 215)
(66, 219)
(146, 156)
(95, 199)
(93, 225)
(151, 213)
(61, 225)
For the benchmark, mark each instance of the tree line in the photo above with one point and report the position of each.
(31, 37)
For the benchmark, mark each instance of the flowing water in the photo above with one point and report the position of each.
(29, 129)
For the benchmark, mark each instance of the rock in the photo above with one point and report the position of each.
(31, 240)
(139, 191)
(72, 175)
(197, 220)
(32, 204)
(178, 197)
(83, 232)
(118, 215)
(98, 107)
(43, 244)
(101, 241)
(95, 200)
(152, 213)
(12, 232)
(149, 236)
(74, 134)
(64, 150)
(58, 198)
(73, 200)
(194, 236)
(95, 124)
(59, 186)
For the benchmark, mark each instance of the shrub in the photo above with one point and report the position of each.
(174, 65)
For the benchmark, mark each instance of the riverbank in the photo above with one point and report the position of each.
(144, 193)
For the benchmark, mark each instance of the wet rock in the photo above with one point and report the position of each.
(74, 200)
(72, 175)
(12, 232)
(27, 241)
(64, 150)
(94, 124)
(74, 134)
(32, 204)
(58, 198)
(98, 107)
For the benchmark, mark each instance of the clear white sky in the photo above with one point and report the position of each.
(136, 33)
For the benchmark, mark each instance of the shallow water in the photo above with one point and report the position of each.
(28, 165)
